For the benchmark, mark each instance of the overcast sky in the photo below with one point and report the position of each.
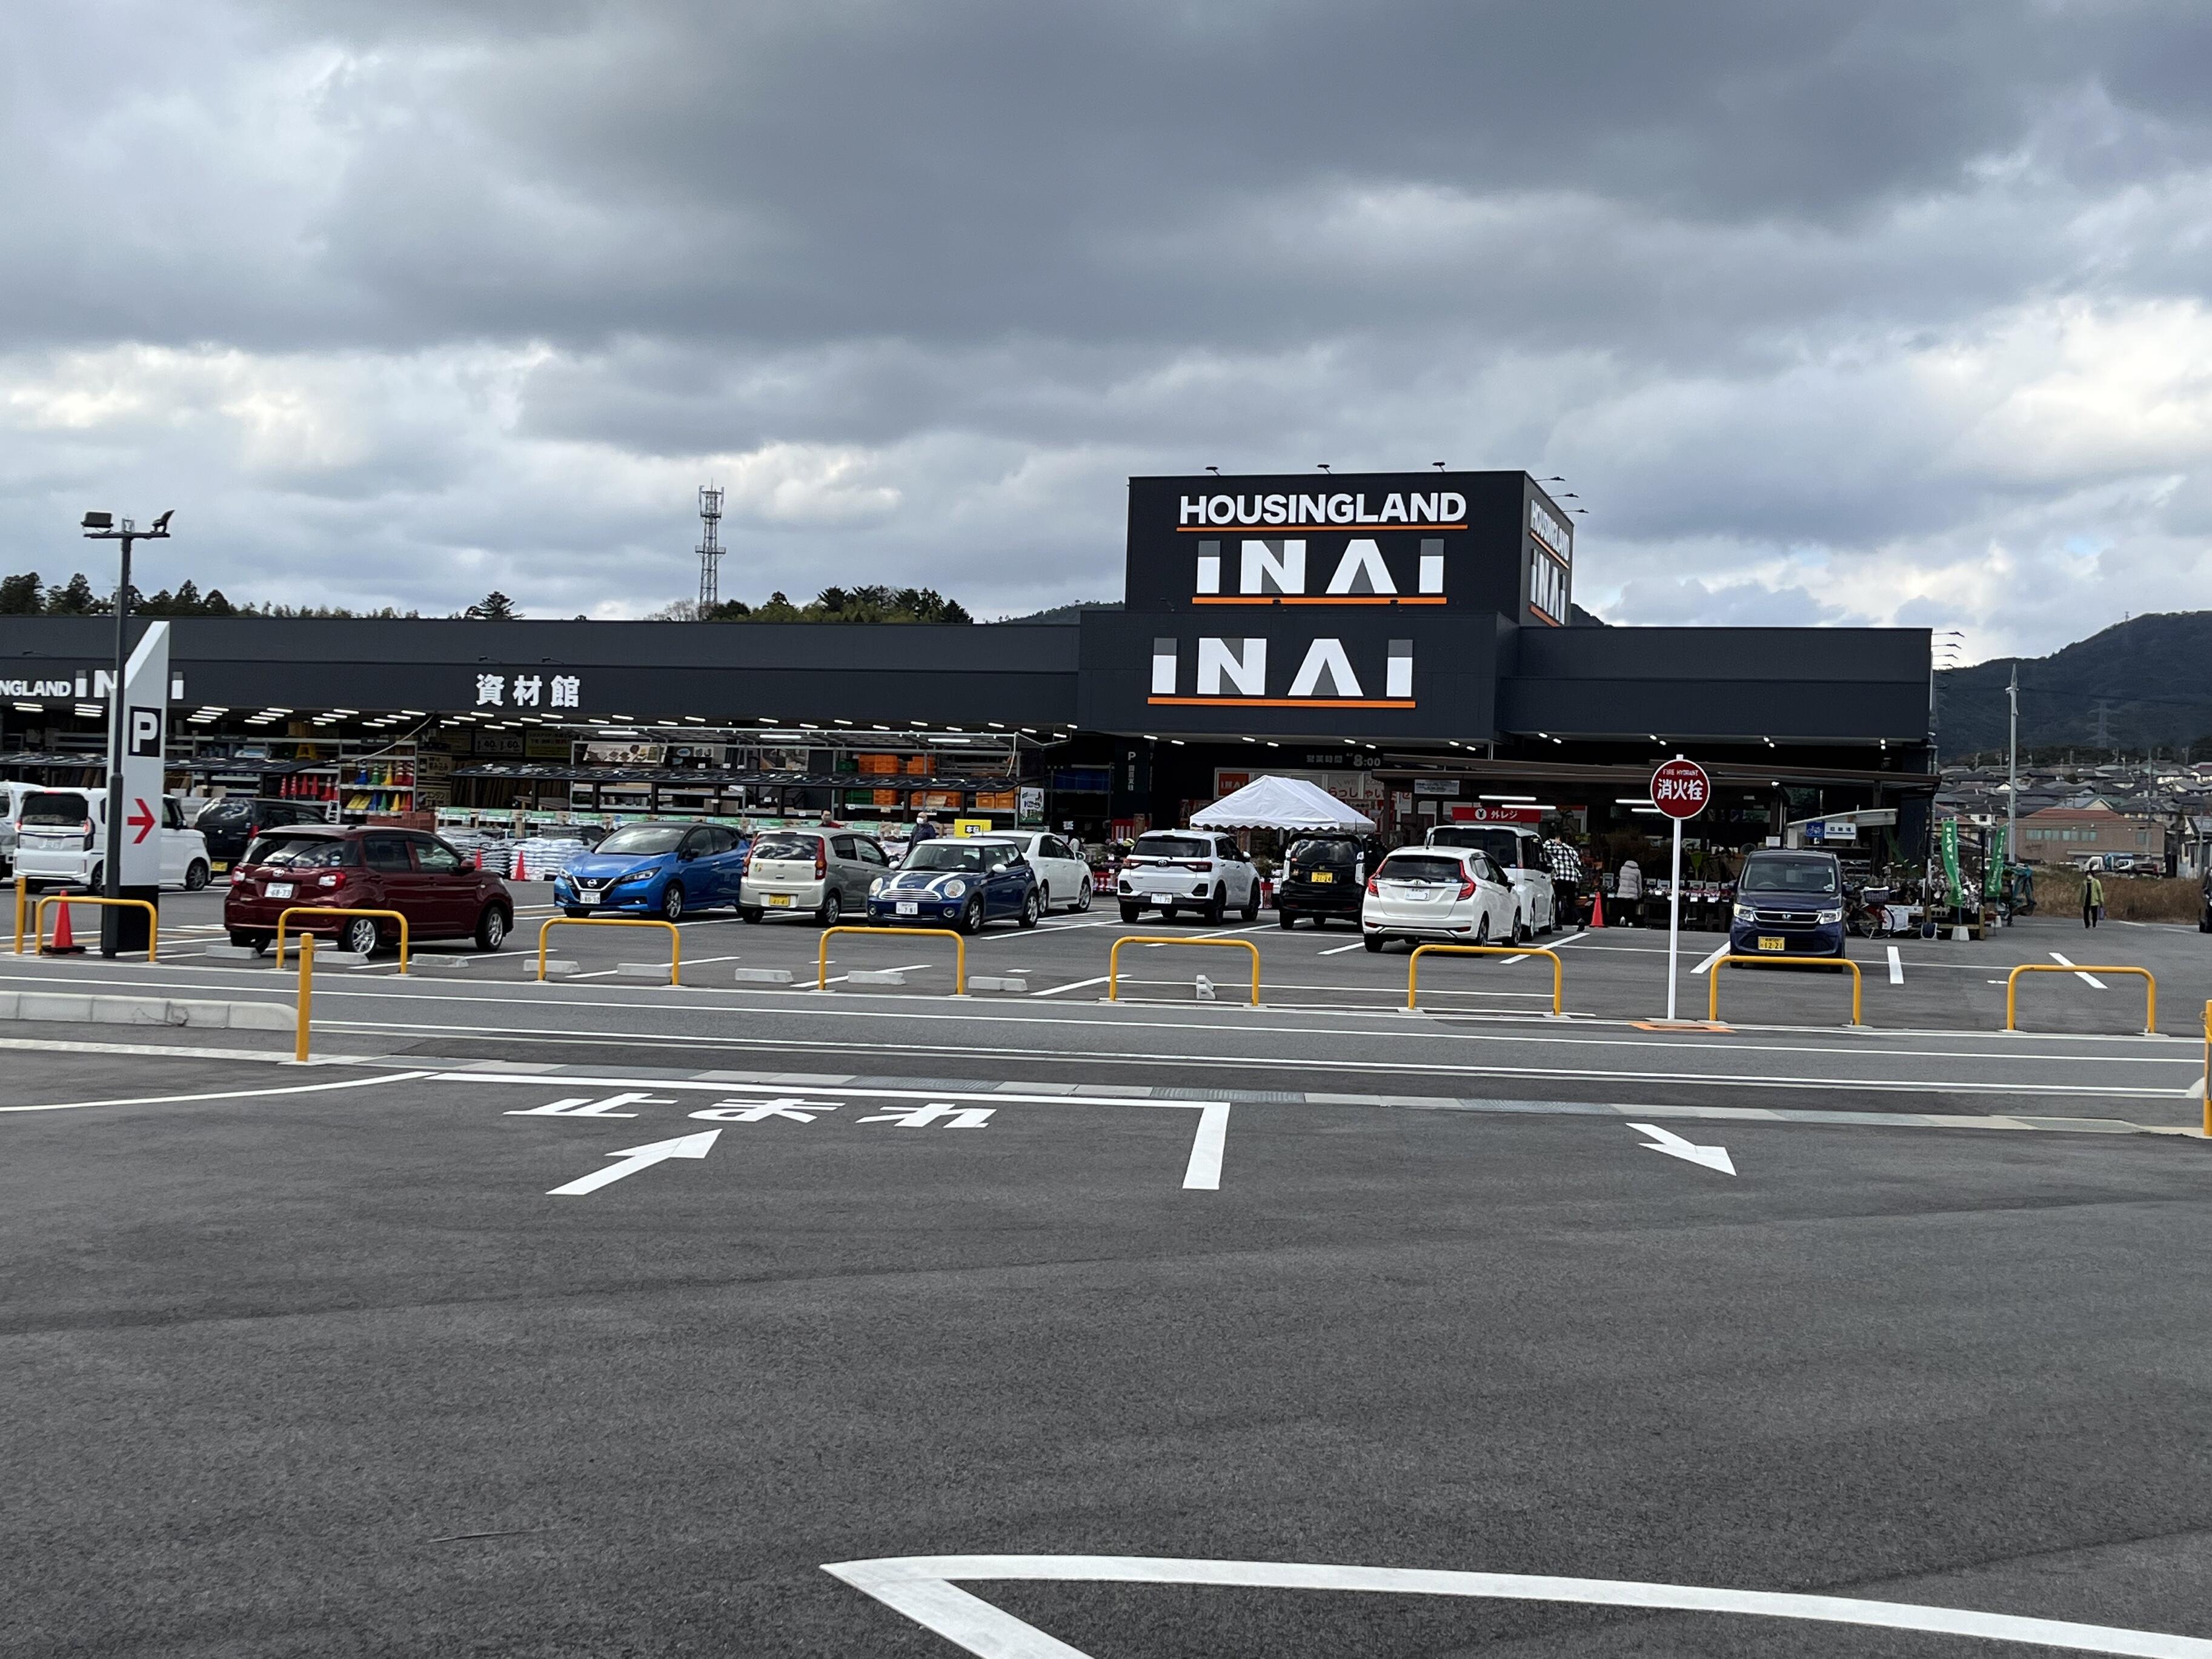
(1829, 313)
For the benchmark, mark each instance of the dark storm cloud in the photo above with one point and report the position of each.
(475, 289)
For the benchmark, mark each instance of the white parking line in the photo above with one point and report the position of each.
(2090, 979)
(1896, 967)
(1076, 985)
(1720, 952)
(1339, 950)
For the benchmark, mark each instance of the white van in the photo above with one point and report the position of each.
(61, 840)
(12, 797)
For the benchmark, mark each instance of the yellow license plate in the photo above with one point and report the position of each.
(1321, 876)
(781, 900)
(1767, 942)
(219, 865)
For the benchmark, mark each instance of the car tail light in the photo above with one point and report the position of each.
(821, 861)
(1199, 865)
(89, 835)
(237, 874)
(1373, 891)
(1467, 887)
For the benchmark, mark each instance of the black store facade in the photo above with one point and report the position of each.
(1410, 641)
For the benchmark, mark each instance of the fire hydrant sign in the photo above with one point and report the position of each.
(1680, 789)
(143, 706)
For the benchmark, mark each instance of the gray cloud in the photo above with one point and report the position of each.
(1830, 314)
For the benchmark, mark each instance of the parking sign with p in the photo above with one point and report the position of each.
(143, 735)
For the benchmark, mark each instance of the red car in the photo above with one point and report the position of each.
(371, 868)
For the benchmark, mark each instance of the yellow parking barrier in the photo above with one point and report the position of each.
(153, 917)
(307, 997)
(959, 948)
(23, 903)
(1713, 988)
(2012, 988)
(285, 918)
(1114, 958)
(1559, 968)
(2207, 1071)
(675, 939)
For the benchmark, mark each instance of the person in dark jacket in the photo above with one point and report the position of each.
(925, 828)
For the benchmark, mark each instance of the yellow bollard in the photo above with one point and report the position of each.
(23, 898)
(306, 995)
(2207, 1071)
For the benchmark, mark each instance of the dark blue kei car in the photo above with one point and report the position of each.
(1789, 904)
(952, 882)
(666, 870)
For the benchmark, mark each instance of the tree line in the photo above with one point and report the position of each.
(27, 595)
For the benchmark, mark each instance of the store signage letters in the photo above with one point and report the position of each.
(1444, 508)
(1273, 570)
(529, 691)
(1555, 536)
(1234, 672)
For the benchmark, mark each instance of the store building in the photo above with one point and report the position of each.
(1408, 640)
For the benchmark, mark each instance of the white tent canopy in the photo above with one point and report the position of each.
(1279, 804)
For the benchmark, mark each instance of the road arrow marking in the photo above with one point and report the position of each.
(1713, 1157)
(634, 1158)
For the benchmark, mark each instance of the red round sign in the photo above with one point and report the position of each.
(1680, 788)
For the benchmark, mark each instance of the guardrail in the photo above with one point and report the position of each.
(1114, 958)
(1559, 968)
(307, 997)
(959, 957)
(285, 916)
(2012, 988)
(153, 917)
(675, 939)
(1713, 983)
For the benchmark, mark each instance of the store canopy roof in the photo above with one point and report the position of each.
(1279, 804)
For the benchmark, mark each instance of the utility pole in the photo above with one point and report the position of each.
(2012, 780)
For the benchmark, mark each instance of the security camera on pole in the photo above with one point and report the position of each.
(1680, 789)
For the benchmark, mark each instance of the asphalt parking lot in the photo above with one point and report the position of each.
(603, 1317)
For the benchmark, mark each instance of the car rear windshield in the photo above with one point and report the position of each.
(950, 855)
(1173, 847)
(303, 852)
(57, 809)
(1502, 845)
(1773, 875)
(780, 844)
(1418, 866)
(1325, 849)
(644, 838)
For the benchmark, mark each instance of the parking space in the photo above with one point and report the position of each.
(572, 1359)
(1614, 974)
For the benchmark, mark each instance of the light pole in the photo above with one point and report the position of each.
(2012, 787)
(101, 528)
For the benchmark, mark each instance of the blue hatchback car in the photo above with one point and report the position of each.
(954, 883)
(666, 870)
(1789, 904)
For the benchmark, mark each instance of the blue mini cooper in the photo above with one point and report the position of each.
(954, 883)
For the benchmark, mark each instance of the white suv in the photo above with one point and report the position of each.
(1172, 870)
(61, 838)
(1515, 849)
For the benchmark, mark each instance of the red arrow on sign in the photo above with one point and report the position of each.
(141, 821)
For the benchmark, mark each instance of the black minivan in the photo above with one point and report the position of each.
(1325, 875)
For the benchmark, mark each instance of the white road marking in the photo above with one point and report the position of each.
(1074, 985)
(921, 1587)
(2090, 979)
(224, 1094)
(1203, 1173)
(1711, 960)
(1896, 967)
(631, 1159)
(1713, 1157)
(1339, 950)
(2195, 1090)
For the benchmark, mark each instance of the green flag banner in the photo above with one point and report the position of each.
(1951, 854)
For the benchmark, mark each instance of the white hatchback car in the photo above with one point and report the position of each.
(1194, 870)
(1438, 894)
(61, 838)
(1515, 849)
(1062, 878)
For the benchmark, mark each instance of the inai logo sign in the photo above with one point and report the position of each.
(1271, 570)
(1235, 671)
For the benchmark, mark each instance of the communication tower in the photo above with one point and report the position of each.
(710, 548)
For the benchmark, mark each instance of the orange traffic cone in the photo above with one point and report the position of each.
(521, 870)
(1597, 909)
(64, 942)
(479, 858)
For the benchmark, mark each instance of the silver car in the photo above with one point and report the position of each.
(823, 873)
